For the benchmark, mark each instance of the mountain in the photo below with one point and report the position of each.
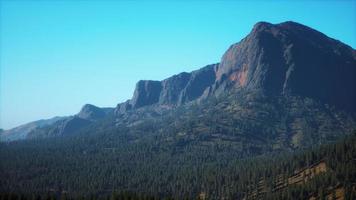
(21, 132)
(292, 59)
(176, 90)
(99, 166)
(93, 113)
(283, 59)
(297, 79)
(66, 126)
(57, 126)
(232, 130)
(287, 60)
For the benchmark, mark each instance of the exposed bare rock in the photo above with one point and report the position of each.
(290, 58)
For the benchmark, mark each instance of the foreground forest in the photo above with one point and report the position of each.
(224, 147)
(61, 170)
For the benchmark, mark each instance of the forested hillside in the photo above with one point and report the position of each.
(209, 149)
(66, 171)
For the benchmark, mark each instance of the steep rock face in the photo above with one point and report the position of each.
(199, 84)
(175, 90)
(146, 93)
(279, 59)
(172, 88)
(290, 58)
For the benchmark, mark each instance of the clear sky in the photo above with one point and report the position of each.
(56, 56)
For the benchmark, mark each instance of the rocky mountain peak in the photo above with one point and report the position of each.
(173, 91)
(91, 112)
(287, 60)
(290, 58)
(280, 59)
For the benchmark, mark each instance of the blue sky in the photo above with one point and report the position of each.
(56, 56)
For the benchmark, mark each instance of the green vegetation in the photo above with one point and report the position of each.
(221, 148)
(162, 174)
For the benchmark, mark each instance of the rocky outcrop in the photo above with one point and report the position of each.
(280, 59)
(146, 93)
(199, 84)
(290, 58)
(172, 88)
(91, 112)
(173, 91)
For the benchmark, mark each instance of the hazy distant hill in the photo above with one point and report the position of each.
(21, 132)
(72, 124)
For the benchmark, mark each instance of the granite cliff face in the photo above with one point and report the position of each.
(173, 91)
(146, 93)
(279, 59)
(290, 58)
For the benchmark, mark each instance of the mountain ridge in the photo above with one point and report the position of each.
(57, 125)
(240, 69)
(288, 59)
(21, 132)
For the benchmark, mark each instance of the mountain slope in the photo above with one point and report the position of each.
(176, 90)
(290, 58)
(286, 82)
(21, 132)
(88, 115)
(287, 59)
(282, 59)
(98, 164)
